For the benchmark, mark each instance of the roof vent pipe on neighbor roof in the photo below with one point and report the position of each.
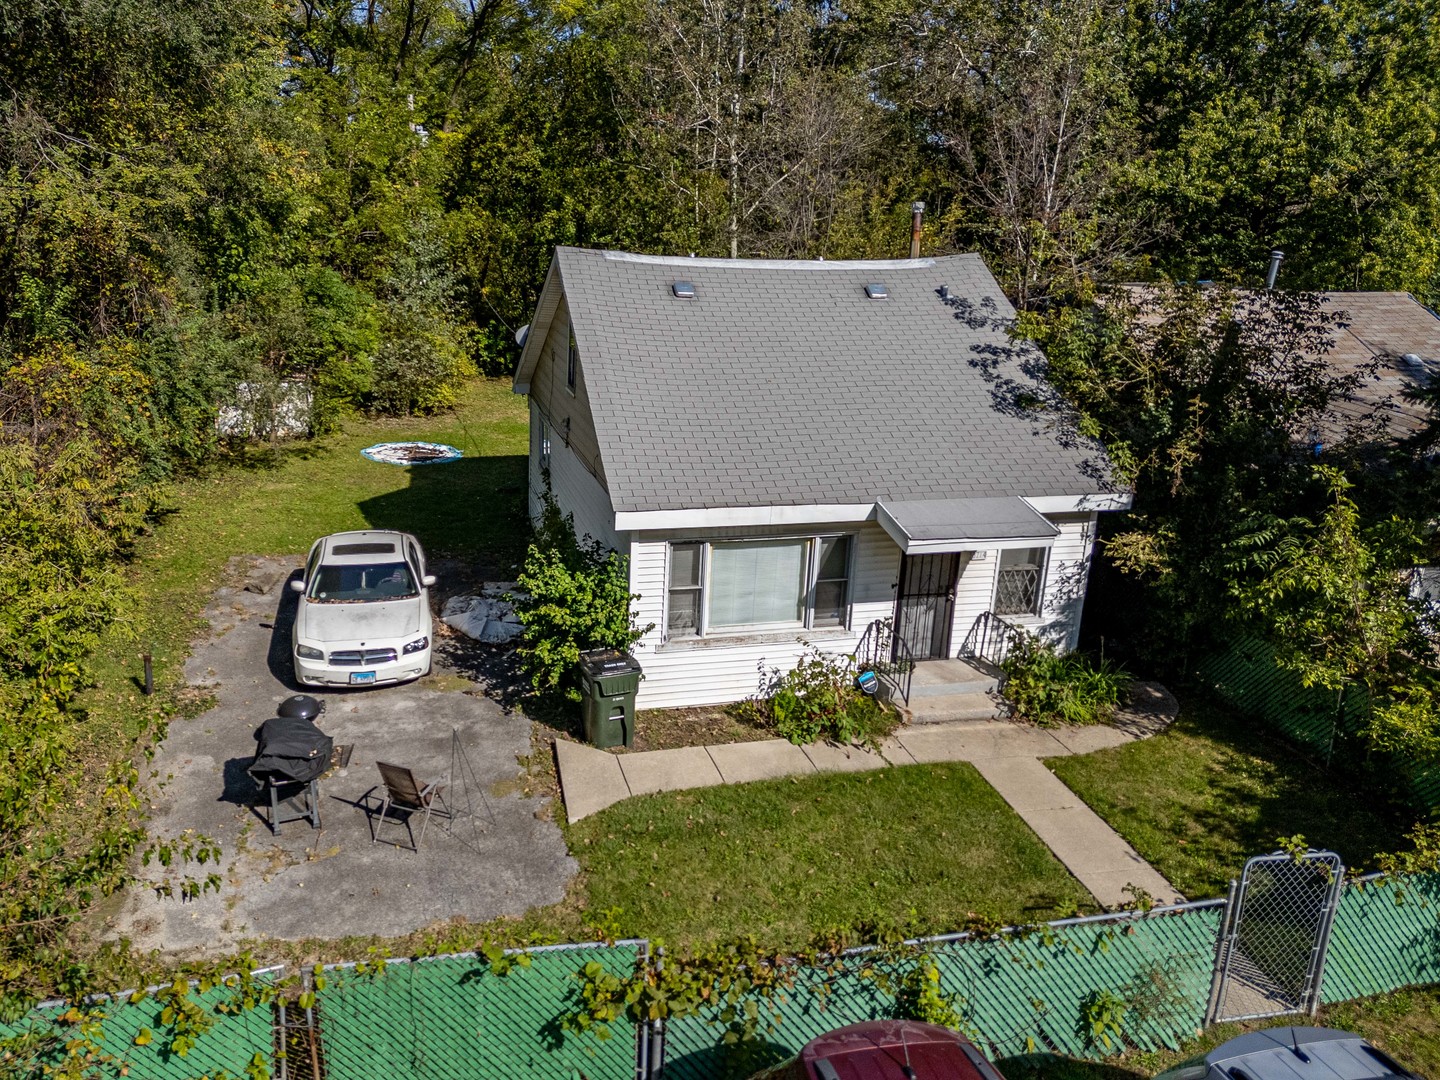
(917, 215)
(1273, 272)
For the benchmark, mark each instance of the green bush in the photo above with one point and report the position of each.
(572, 595)
(1047, 688)
(818, 700)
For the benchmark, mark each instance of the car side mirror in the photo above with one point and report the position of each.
(427, 580)
(297, 585)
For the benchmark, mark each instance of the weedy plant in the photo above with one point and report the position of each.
(1048, 688)
(818, 699)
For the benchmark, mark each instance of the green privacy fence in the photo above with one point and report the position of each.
(452, 1018)
(1386, 935)
(1019, 993)
(1040, 990)
(1323, 722)
(457, 1018)
(107, 1029)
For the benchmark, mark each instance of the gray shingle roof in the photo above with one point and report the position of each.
(780, 383)
(1383, 328)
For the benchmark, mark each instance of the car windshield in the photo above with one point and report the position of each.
(354, 582)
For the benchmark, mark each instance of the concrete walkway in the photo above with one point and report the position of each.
(1007, 755)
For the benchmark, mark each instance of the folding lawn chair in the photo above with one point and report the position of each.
(406, 795)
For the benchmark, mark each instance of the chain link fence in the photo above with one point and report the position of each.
(1082, 987)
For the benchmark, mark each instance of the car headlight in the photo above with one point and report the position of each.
(305, 652)
(418, 645)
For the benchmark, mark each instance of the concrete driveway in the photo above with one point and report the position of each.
(334, 882)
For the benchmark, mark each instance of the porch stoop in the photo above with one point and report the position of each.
(948, 690)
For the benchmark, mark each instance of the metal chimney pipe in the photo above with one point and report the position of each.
(917, 214)
(1275, 258)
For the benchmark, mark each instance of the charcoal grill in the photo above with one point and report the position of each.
(291, 754)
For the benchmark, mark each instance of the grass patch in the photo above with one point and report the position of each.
(1200, 799)
(1405, 1024)
(786, 859)
(278, 502)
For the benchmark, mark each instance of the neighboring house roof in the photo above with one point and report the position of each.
(1401, 337)
(783, 384)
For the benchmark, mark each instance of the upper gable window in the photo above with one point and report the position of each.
(572, 361)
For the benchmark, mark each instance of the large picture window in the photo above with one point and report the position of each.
(1021, 583)
(754, 586)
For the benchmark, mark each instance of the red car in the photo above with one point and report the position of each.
(888, 1050)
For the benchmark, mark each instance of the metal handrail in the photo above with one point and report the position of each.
(992, 639)
(884, 652)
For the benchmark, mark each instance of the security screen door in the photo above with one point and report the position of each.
(925, 605)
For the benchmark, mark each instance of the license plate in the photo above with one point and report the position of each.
(362, 677)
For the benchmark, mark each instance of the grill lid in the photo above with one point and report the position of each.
(302, 705)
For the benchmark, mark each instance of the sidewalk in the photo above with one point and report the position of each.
(1006, 755)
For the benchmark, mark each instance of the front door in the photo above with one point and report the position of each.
(925, 604)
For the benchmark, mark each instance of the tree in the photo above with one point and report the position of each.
(1306, 126)
(1030, 105)
(1204, 399)
(1329, 594)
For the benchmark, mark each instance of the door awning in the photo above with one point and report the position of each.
(938, 525)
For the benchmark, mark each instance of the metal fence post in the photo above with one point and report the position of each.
(655, 1058)
(1217, 979)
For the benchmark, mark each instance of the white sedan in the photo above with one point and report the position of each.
(364, 614)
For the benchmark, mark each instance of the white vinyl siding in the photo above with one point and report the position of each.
(574, 486)
(698, 671)
(1065, 571)
(709, 671)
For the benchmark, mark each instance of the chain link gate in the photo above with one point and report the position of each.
(1271, 954)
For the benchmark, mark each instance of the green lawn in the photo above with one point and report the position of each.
(1214, 790)
(1405, 1024)
(275, 503)
(785, 859)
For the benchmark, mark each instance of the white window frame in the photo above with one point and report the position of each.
(572, 365)
(812, 570)
(544, 448)
(1042, 581)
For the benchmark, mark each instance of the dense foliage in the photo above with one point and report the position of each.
(1047, 687)
(818, 699)
(1259, 507)
(573, 595)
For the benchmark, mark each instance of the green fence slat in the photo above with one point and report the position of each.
(230, 1043)
(451, 1018)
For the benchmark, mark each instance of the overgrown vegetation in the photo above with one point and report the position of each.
(573, 595)
(1210, 402)
(1048, 688)
(198, 196)
(818, 699)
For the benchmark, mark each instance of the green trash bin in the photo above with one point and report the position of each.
(609, 680)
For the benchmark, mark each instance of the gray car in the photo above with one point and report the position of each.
(1292, 1053)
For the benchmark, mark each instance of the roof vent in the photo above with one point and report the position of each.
(685, 290)
(944, 292)
(877, 291)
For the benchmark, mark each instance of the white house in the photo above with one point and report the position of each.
(795, 450)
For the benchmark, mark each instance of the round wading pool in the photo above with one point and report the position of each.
(412, 453)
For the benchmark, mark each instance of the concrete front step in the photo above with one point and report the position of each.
(944, 708)
(947, 678)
